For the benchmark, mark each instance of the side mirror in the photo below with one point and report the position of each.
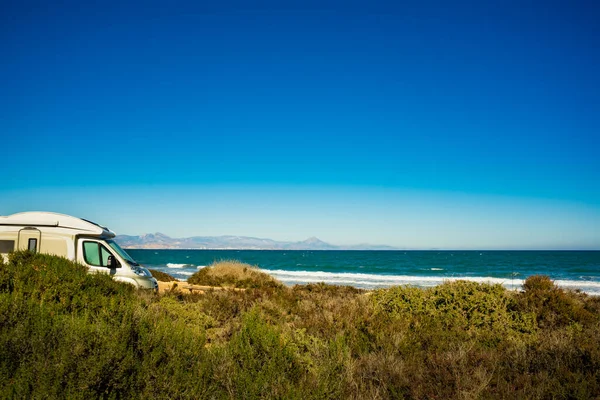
(112, 263)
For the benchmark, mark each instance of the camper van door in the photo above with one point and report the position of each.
(29, 239)
(95, 255)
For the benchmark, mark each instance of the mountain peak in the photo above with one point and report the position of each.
(154, 236)
(312, 240)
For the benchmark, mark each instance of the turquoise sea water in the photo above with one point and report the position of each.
(374, 269)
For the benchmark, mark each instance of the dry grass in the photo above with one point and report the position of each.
(233, 274)
(162, 276)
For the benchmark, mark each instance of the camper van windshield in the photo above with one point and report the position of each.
(121, 252)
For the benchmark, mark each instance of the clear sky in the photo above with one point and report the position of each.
(421, 125)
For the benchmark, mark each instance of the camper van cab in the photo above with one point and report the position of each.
(75, 239)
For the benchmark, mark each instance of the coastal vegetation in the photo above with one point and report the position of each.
(233, 274)
(67, 334)
(162, 276)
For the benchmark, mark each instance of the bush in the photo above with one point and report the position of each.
(57, 282)
(66, 333)
(554, 306)
(463, 304)
(258, 363)
(538, 283)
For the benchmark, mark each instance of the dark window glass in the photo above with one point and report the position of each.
(32, 245)
(6, 246)
(104, 256)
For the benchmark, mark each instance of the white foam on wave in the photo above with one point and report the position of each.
(322, 276)
(576, 284)
(201, 266)
(437, 269)
(186, 273)
(172, 265)
(378, 281)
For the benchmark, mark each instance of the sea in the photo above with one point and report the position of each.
(381, 269)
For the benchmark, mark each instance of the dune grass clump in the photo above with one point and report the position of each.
(234, 274)
(162, 276)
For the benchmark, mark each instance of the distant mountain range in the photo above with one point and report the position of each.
(162, 241)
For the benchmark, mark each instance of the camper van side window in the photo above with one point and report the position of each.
(104, 256)
(32, 245)
(95, 254)
(6, 246)
(91, 253)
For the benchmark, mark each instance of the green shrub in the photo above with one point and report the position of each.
(469, 306)
(57, 282)
(66, 333)
(259, 363)
(554, 306)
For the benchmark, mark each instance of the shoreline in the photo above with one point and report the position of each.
(288, 278)
(187, 288)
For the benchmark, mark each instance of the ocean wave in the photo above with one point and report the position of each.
(570, 283)
(322, 276)
(172, 265)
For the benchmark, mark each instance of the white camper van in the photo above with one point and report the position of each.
(76, 239)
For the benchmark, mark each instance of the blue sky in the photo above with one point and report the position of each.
(420, 125)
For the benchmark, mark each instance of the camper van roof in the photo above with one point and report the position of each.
(50, 219)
